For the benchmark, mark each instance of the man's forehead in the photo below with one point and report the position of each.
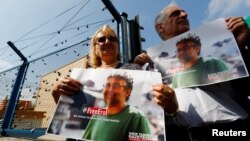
(114, 79)
(172, 8)
(188, 42)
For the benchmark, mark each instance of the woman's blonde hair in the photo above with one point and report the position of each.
(94, 60)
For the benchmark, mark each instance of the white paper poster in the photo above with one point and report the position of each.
(91, 114)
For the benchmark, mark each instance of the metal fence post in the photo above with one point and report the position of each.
(14, 97)
(122, 22)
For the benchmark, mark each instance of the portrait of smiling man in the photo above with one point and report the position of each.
(121, 118)
(196, 68)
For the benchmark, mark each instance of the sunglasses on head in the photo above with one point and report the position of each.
(104, 38)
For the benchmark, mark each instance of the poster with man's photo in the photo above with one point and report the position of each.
(114, 104)
(206, 55)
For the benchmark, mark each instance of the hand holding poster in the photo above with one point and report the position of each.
(206, 55)
(114, 104)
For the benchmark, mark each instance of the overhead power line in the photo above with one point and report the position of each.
(47, 21)
(39, 48)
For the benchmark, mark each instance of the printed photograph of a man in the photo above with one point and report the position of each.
(196, 70)
(114, 105)
(121, 118)
(206, 55)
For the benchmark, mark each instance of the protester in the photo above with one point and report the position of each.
(104, 53)
(199, 109)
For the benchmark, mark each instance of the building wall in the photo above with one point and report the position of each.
(3, 104)
(26, 119)
(22, 104)
(26, 123)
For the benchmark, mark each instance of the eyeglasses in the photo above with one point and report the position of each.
(104, 38)
(113, 86)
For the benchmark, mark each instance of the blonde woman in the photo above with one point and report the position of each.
(104, 53)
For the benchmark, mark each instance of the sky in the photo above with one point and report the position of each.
(38, 27)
